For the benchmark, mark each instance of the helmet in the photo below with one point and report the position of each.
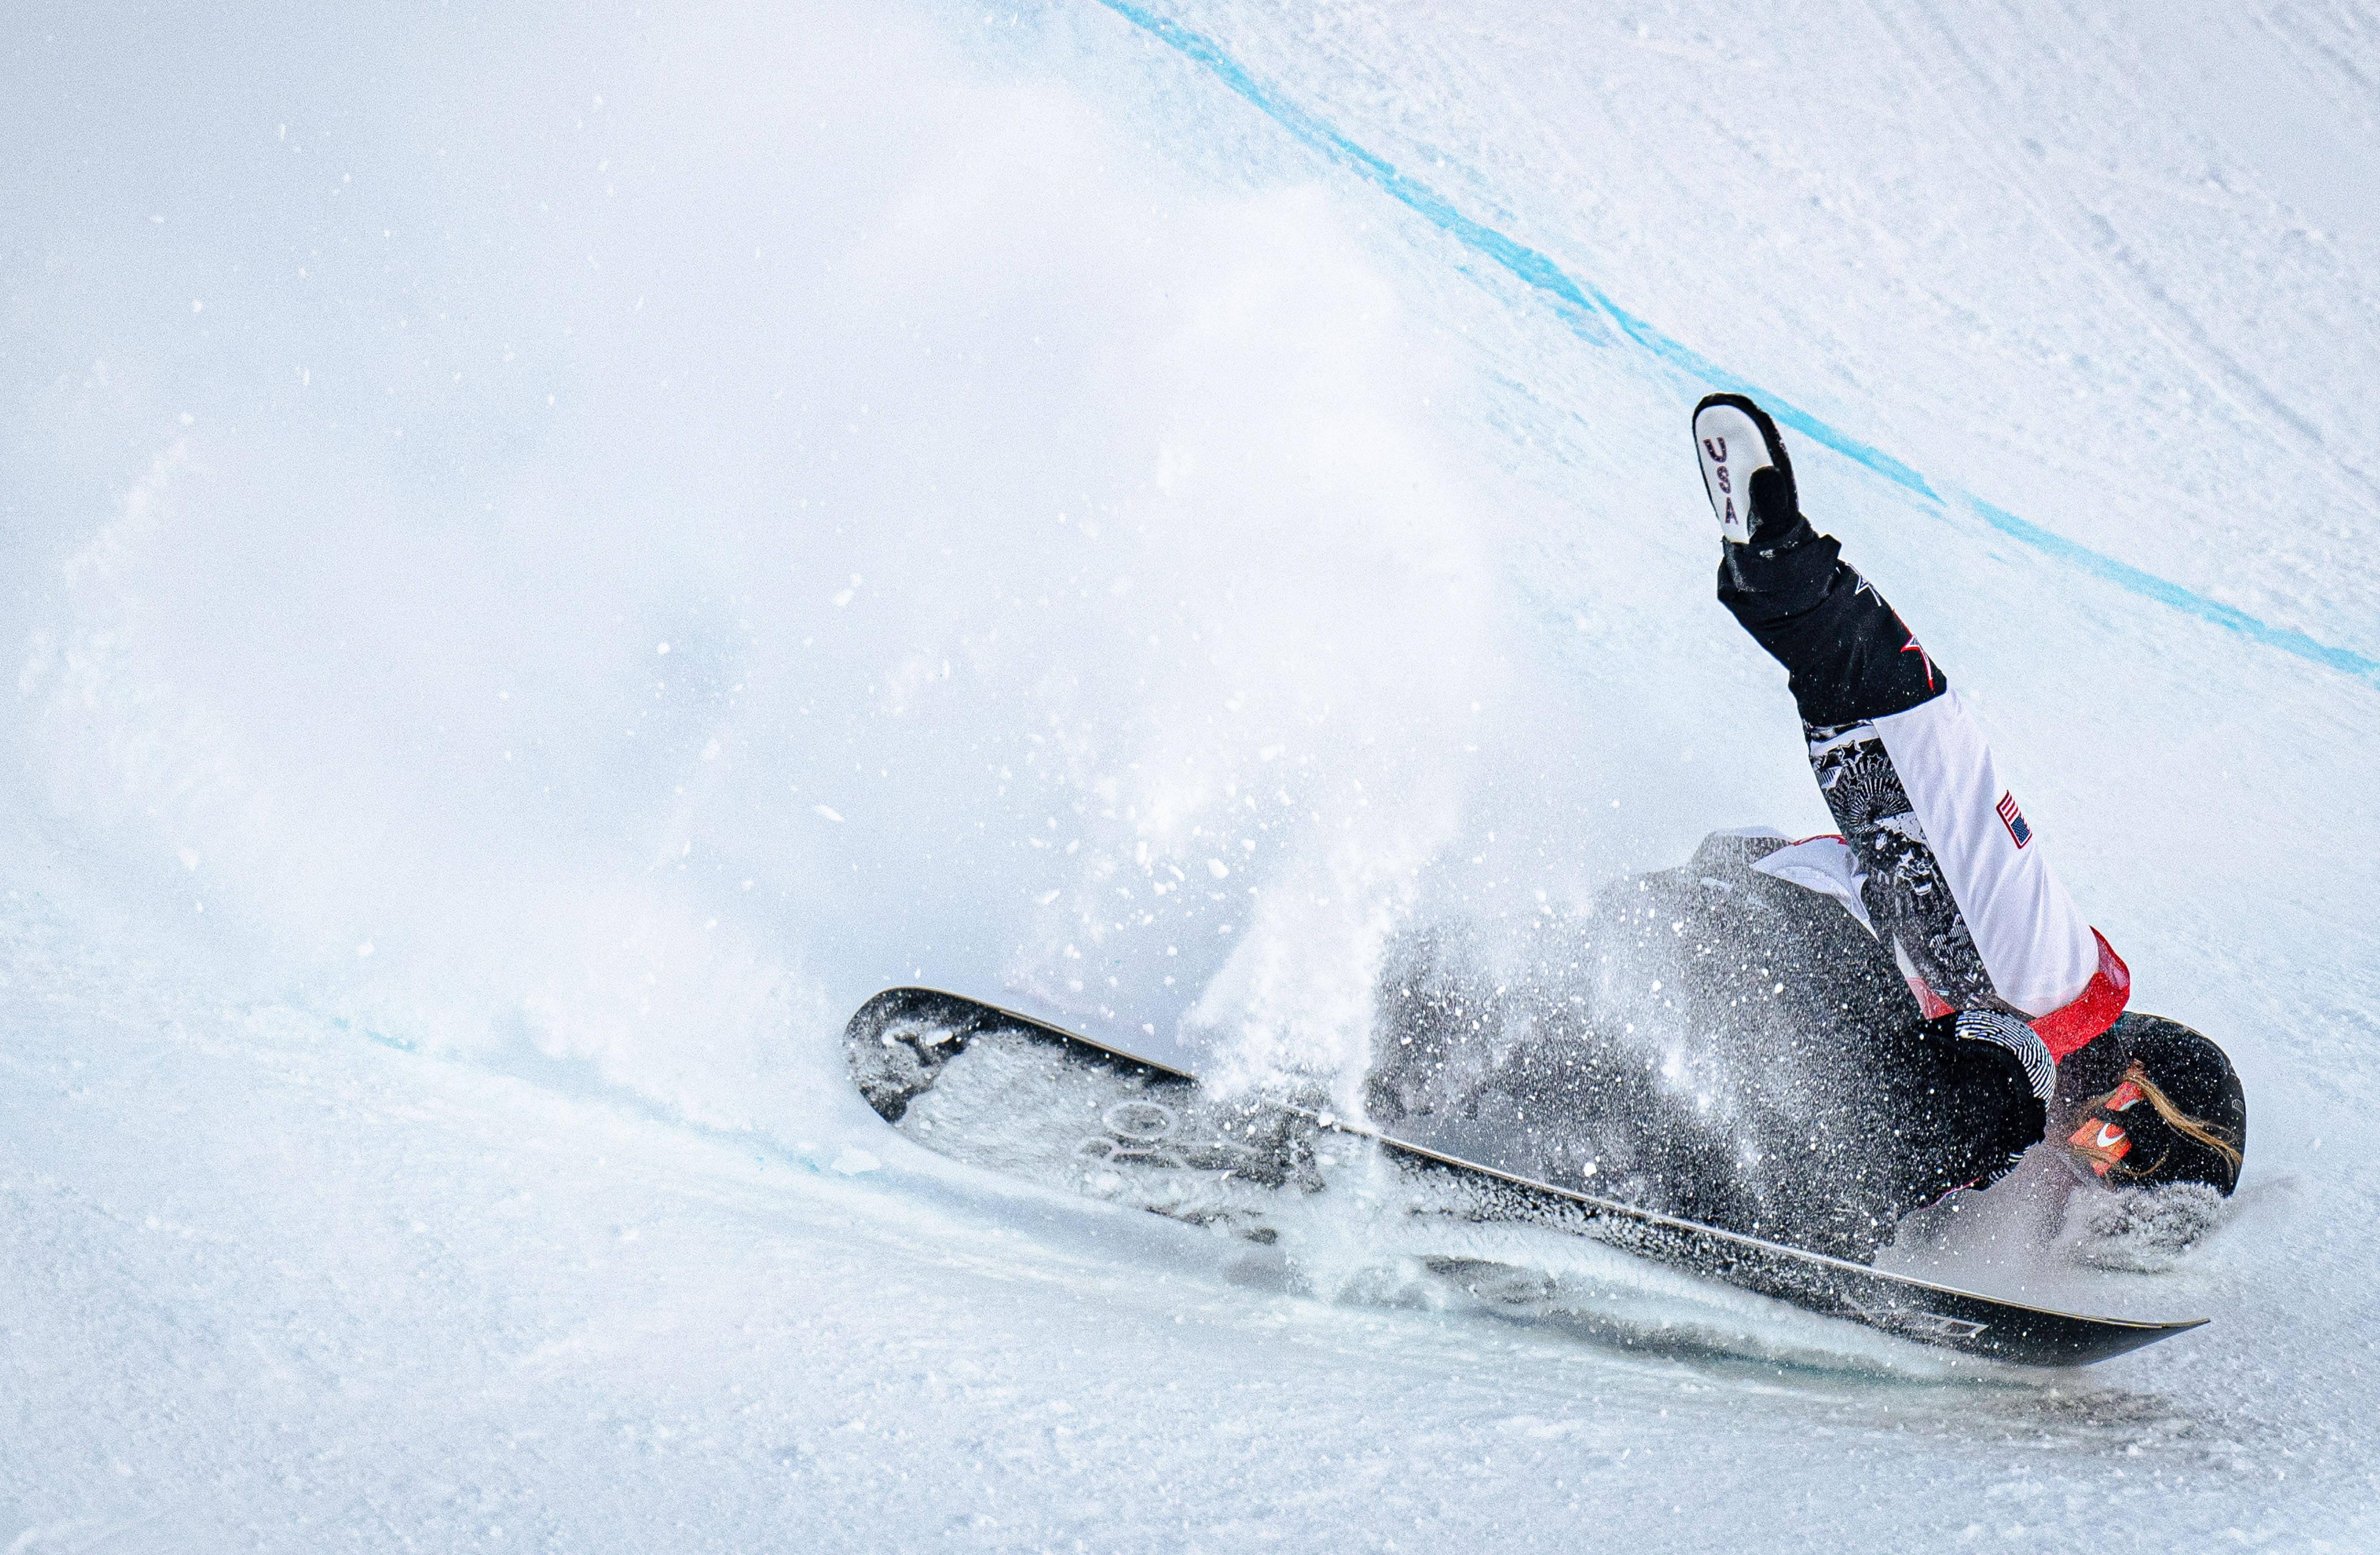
(2150, 1101)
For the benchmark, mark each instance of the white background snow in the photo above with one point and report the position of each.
(550, 552)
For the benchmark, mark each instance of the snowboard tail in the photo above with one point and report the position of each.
(1048, 1104)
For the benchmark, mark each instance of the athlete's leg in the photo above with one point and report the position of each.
(1953, 878)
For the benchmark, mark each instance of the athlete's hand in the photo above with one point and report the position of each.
(2007, 1031)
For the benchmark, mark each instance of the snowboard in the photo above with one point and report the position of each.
(1003, 1090)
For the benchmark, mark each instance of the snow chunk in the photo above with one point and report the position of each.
(2145, 1231)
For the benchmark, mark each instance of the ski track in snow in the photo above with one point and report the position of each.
(554, 552)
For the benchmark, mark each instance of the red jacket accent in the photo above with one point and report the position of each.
(1930, 1005)
(2073, 1024)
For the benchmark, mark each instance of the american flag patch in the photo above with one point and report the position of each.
(2013, 818)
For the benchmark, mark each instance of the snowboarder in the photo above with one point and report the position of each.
(1856, 1025)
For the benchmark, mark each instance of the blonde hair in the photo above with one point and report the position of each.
(2181, 1122)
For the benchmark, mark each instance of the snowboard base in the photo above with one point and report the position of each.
(999, 1089)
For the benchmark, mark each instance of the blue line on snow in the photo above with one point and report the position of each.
(1578, 303)
(2149, 585)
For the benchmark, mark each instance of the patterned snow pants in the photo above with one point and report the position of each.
(1953, 880)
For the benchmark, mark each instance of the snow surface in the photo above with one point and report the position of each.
(554, 550)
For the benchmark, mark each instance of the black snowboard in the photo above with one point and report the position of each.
(1001, 1089)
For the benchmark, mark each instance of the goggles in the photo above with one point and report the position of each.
(2104, 1140)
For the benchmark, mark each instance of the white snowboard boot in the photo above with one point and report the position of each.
(1745, 471)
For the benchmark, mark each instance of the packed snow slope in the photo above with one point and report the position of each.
(551, 550)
